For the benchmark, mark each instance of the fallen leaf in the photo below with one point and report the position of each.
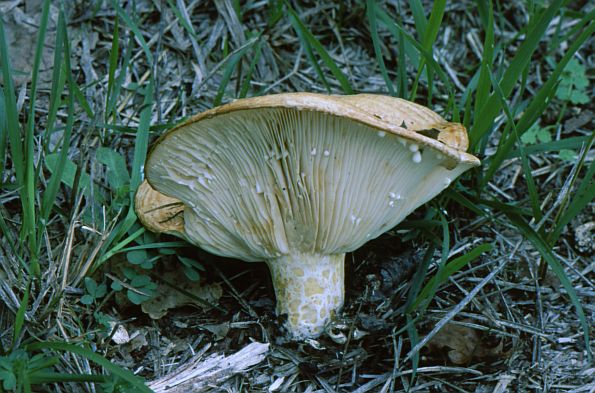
(121, 335)
(220, 330)
(576, 122)
(169, 297)
(463, 344)
(21, 30)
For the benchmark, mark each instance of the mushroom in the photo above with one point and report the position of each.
(297, 180)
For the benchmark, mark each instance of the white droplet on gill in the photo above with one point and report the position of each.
(258, 188)
(393, 198)
(327, 153)
(313, 151)
(439, 156)
(416, 157)
(381, 134)
(413, 147)
(355, 219)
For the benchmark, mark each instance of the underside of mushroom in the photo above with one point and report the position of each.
(298, 180)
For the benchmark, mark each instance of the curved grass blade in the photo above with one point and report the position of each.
(397, 30)
(19, 320)
(546, 253)
(140, 153)
(484, 120)
(449, 269)
(540, 99)
(233, 60)
(11, 113)
(443, 257)
(583, 195)
(246, 84)
(534, 198)
(50, 193)
(371, 14)
(135, 30)
(126, 375)
(30, 185)
(307, 36)
(430, 32)
(483, 83)
(572, 143)
(3, 134)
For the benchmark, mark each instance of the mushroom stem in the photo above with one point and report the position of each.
(309, 289)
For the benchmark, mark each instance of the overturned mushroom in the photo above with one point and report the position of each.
(297, 180)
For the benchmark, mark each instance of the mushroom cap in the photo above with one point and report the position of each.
(158, 212)
(304, 173)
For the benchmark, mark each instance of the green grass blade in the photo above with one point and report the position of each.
(141, 142)
(126, 375)
(572, 143)
(310, 54)
(58, 83)
(111, 71)
(419, 17)
(11, 113)
(533, 196)
(49, 196)
(418, 278)
(182, 20)
(445, 247)
(546, 252)
(30, 172)
(42, 377)
(140, 153)
(483, 83)
(461, 199)
(449, 269)
(21, 163)
(135, 30)
(246, 84)
(402, 81)
(540, 99)
(159, 245)
(414, 340)
(7, 234)
(110, 110)
(484, 120)
(3, 135)
(82, 100)
(397, 30)
(304, 32)
(232, 63)
(372, 21)
(19, 320)
(427, 40)
(584, 194)
(119, 247)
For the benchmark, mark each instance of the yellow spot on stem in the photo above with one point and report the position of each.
(312, 287)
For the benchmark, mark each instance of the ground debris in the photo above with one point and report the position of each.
(198, 373)
(464, 345)
(584, 235)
